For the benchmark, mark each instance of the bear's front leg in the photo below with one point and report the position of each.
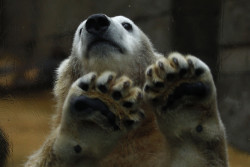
(97, 112)
(183, 92)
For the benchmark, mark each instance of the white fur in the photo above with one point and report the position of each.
(94, 133)
(129, 41)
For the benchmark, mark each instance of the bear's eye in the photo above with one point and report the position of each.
(80, 31)
(127, 26)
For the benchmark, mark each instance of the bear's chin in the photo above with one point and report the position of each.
(103, 50)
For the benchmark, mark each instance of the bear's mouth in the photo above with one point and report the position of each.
(104, 43)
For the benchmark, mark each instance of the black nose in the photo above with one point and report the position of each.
(97, 24)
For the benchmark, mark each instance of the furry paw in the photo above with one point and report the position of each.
(183, 93)
(97, 112)
(177, 80)
(106, 101)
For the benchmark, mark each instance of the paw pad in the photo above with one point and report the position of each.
(84, 86)
(165, 80)
(116, 95)
(113, 97)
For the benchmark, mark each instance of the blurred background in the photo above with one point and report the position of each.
(36, 35)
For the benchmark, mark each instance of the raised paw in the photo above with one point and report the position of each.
(107, 101)
(177, 78)
(97, 112)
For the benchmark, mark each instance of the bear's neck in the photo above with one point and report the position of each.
(134, 69)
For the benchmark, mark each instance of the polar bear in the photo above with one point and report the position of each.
(121, 103)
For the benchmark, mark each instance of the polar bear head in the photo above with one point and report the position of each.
(112, 43)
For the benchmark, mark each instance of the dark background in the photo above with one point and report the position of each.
(36, 35)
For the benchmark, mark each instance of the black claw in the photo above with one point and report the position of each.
(183, 72)
(84, 86)
(110, 78)
(128, 104)
(199, 71)
(149, 72)
(190, 63)
(159, 84)
(139, 96)
(161, 65)
(116, 95)
(170, 77)
(93, 78)
(175, 60)
(103, 88)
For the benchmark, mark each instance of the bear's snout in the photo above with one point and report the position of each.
(97, 24)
